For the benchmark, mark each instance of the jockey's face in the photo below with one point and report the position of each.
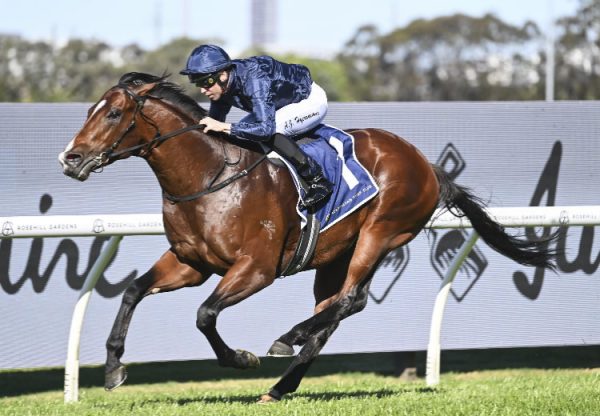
(215, 92)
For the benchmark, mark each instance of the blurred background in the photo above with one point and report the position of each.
(381, 50)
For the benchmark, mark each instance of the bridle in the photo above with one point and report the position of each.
(112, 153)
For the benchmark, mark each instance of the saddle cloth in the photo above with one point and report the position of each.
(333, 149)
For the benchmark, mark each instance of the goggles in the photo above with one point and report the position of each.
(204, 80)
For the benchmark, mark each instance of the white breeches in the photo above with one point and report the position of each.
(302, 116)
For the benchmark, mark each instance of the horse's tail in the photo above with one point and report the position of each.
(531, 253)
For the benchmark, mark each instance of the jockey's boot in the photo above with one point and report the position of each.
(309, 170)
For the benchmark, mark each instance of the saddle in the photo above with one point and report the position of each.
(333, 149)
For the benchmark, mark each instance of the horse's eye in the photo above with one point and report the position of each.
(114, 114)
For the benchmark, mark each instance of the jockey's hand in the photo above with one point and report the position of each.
(215, 125)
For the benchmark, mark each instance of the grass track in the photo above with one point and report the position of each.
(541, 382)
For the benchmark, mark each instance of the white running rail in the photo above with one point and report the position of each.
(118, 226)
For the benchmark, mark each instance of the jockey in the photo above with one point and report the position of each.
(281, 99)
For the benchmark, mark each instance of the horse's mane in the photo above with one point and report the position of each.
(166, 90)
(175, 95)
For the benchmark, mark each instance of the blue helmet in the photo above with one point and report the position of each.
(206, 59)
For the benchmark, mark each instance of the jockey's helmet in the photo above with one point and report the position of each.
(206, 59)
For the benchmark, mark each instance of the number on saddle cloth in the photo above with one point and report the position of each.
(333, 149)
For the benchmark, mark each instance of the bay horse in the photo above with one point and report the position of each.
(239, 218)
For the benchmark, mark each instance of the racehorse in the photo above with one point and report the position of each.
(228, 211)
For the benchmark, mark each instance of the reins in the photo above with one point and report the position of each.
(156, 141)
(212, 188)
(112, 154)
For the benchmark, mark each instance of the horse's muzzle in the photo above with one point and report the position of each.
(76, 166)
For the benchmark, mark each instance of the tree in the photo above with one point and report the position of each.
(80, 70)
(578, 54)
(447, 58)
(454, 57)
(84, 70)
(24, 69)
(11, 68)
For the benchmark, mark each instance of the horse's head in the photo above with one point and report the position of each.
(116, 127)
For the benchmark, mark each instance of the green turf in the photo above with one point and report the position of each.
(547, 381)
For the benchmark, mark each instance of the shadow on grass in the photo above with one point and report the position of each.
(19, 382)
(360, 394)
(252, 399)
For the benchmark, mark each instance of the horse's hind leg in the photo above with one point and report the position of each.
(352, 298)
(328, 283)
(324, 324)
(166, 275)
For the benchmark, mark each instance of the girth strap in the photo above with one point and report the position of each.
(306, 246)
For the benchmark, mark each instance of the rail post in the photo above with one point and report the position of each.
(432, 368)
(72, 363)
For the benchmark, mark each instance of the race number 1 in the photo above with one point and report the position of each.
(347, 174)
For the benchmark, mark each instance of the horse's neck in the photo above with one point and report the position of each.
(190, 162)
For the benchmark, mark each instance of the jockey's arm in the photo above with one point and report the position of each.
(260, 123)
(216, 118)
(215, 125)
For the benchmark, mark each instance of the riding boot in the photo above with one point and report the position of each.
(308, 169)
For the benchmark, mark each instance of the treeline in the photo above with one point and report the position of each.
(455, 57)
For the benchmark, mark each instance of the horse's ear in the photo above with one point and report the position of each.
(145, 88)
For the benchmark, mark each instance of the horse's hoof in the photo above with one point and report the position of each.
(279, 349)
(267, 399)
(248, 360)
(115, 378)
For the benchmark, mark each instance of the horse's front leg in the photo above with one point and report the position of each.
(246, 277)
(166, 275)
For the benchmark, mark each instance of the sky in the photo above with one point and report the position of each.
(320, 26)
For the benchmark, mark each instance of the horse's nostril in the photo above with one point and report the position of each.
(73, 159)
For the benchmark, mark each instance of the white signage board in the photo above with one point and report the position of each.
(512, 154)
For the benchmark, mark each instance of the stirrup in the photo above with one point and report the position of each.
(318, 190)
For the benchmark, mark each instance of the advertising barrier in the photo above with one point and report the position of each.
(511, 154)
